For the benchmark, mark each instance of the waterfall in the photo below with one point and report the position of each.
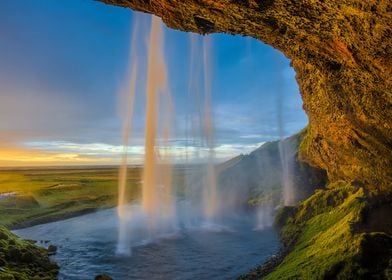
(157, 213)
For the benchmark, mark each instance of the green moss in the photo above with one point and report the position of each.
(304, 145)
(324, 244)
(22, 260)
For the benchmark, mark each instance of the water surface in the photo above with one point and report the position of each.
(87, 247)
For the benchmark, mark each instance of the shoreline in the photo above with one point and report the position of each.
(267, 266)
(258, 271)
(46, 220)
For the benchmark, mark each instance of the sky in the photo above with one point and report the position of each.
(64, 75)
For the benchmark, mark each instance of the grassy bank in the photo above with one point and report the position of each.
(341, 232)
(29, 197)
(22, 260)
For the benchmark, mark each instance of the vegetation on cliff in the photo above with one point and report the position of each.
(22, 260)
(333, 235)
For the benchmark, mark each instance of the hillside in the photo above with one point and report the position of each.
(260, 176)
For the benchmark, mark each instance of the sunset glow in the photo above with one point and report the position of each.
(63, 100)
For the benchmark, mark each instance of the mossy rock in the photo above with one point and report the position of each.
(327, 240)
(21, 259)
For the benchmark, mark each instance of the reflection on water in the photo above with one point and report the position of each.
(87, 247)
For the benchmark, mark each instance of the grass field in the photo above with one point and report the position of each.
(39, 195)
(32, 196)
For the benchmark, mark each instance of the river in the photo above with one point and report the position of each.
(87, 247)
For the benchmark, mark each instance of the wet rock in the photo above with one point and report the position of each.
(103, 277)
(52, 250)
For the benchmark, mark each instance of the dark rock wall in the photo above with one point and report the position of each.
(341, 51)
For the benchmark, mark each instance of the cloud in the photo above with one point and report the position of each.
(28, 157)
(60, 104)
(68, 153)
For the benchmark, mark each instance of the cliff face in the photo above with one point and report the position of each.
(342, 54)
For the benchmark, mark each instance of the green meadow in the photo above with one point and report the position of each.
(33, 196)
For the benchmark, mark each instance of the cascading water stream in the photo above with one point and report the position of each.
(156, 80)
(156, 215)
(210, 185)
(156, 201)
(202, 128)
(288, 192)
(122, 247)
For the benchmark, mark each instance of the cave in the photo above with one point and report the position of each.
(342, 55)
(339, 227)
(341, 52)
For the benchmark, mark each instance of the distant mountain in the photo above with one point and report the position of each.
(259, 176)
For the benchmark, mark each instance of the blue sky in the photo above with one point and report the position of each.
(64, 68)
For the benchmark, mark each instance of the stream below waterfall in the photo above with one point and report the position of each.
(87, 247)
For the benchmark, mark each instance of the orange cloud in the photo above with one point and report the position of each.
(15, 156)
